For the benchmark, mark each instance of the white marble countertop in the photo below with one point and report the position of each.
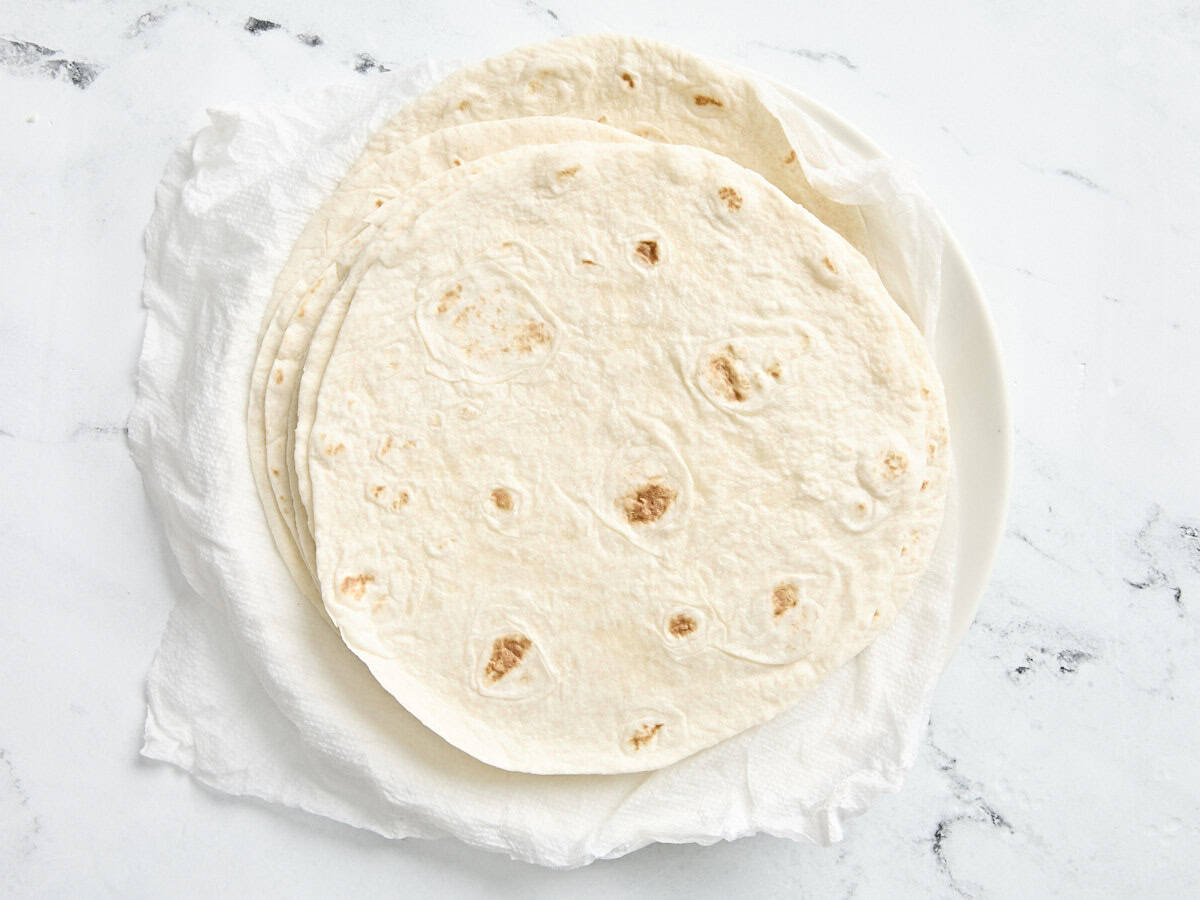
(1061, 143)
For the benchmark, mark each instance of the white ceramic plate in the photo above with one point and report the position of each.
(968, 357)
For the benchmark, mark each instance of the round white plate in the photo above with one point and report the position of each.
(968, 357)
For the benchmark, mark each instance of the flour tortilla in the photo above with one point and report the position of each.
(317, 262)
(648, 88)
(618, 452)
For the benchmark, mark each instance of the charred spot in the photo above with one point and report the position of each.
(649, 503)
(726, 378)
(895, 464)
(648, 251)
(354, 586)
(528, 336)
(732, 198)
(507, 653)
(784, 597)
(682, 624)
(503, 499)
(644, 735)
(629, 80)
(448, 299)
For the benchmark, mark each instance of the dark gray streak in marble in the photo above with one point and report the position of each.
(977, 809)
(1028, 541)
(819, 56)
(363, 62)
(257, 26)
(31, 825)
(146, 21)
(98, 431)
(1081, 178)
(28, 58)
(1066, 661)
(1169, 548)
(366, 63)
(538, 8)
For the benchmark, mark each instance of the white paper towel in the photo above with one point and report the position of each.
(254, 694)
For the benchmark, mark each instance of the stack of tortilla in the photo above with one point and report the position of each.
(586, 420)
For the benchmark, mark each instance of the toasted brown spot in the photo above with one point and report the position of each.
(681, 625)
(303, 311)
(464, 105)
(507, 653)
(924, 485)
(648, 250)
(628, 79)
(275, 472)
(790, 158)
(377, 489)
(875, 615)
(402, 499)
(731, 383)
(385, 446)
(335, 449)
(279, 376)
(456, 161)
(587, 262)
(567, 173)
(895, 463)
(925, 392)
(603, 120)
(931, 451)
(645, 735)
(648, 503)
(774, 371)
(784, 597)
(705, 100)
(448, 298)
(731, 197)
(829, 265)
(503, 499)
(529, 335)
(378, 203)
(355, 586)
